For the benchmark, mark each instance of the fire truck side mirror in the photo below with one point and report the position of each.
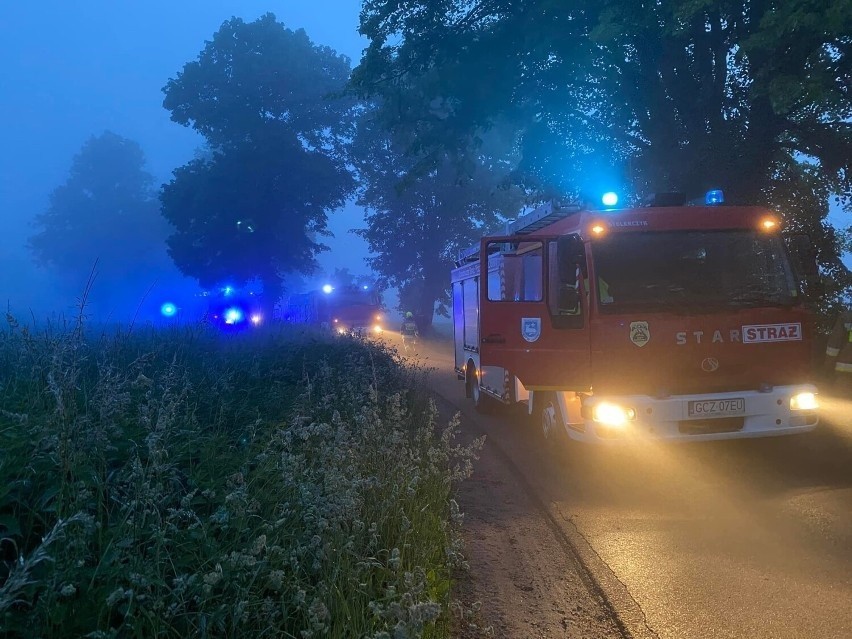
(567, 269)
(805, 262)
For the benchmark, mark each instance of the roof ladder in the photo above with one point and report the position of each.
(540, 217)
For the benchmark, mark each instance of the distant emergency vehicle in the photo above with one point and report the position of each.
(231, 308)
(665, 321)
(342, 309)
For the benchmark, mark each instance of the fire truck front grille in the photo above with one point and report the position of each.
(711, 426)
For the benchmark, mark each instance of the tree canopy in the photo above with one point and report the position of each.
(751, 96)
(105, 212)
(268, 101)
(415, 229)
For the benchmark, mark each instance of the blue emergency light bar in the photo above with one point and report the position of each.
(714, 197)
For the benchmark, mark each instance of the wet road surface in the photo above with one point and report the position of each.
(745, 538)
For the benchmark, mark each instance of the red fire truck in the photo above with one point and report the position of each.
(342, 309)
(668, 321)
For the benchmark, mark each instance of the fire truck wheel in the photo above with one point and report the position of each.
(550, 416)
(481, 401)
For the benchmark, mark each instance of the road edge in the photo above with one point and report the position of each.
(624, 611)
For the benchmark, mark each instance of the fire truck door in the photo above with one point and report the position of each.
(534, 313)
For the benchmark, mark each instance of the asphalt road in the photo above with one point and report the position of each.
(721, 539)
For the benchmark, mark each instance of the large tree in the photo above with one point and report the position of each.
(268, 102)
(752, 96)
(106, 212)
(415, 228)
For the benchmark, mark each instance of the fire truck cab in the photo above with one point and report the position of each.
(664, 321)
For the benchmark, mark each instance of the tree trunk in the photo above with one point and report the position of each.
(272, 291)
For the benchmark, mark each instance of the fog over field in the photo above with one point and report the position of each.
(76, 70)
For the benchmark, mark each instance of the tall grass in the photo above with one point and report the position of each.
(185, 483)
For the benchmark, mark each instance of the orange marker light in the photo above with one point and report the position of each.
(598, 229)
(769, 224)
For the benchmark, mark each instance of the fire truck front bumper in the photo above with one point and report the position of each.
(782, 410)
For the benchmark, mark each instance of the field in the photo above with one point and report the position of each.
(184, 483)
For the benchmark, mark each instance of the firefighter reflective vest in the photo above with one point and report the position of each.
(409, 328)
(839, 348)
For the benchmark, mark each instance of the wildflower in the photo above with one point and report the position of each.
(276, 579)
(259, 545)
(211, 579)
(68, 590)
(221, 516)
(115, 597)
(318, 611)
(456, 516)
(394, 560)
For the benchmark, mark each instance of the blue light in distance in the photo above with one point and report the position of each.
(168, 309)
(228, 290)
(714, 197)
(328, 288)
(233, 316)
(610, 198)
(366, 287)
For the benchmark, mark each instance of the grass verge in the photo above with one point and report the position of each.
(184, 483)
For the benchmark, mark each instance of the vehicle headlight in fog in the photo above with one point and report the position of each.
(611, 414)
(233, 316)
(377, 329)
(341, 330)
(804, 401)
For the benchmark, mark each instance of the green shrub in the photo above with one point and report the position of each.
(185, 483)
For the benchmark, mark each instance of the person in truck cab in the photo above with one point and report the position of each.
(573, 308)
(838, 352)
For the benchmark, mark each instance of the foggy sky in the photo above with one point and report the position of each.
(74, 69)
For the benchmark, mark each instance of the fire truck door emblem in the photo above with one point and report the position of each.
(640, 334)
(531, 328)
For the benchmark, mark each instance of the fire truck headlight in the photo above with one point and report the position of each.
(804, 401)
(327, 289)
(611, 414)
(256, 319)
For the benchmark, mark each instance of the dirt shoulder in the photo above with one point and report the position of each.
(524, 581)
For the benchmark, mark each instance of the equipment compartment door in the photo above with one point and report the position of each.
(523, 328)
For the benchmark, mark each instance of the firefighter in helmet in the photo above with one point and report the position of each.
(408, 330)
(838, 352)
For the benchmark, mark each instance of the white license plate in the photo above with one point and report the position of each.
(716, 407)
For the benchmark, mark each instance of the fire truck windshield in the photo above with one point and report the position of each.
(354, 297)
(688, 271)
